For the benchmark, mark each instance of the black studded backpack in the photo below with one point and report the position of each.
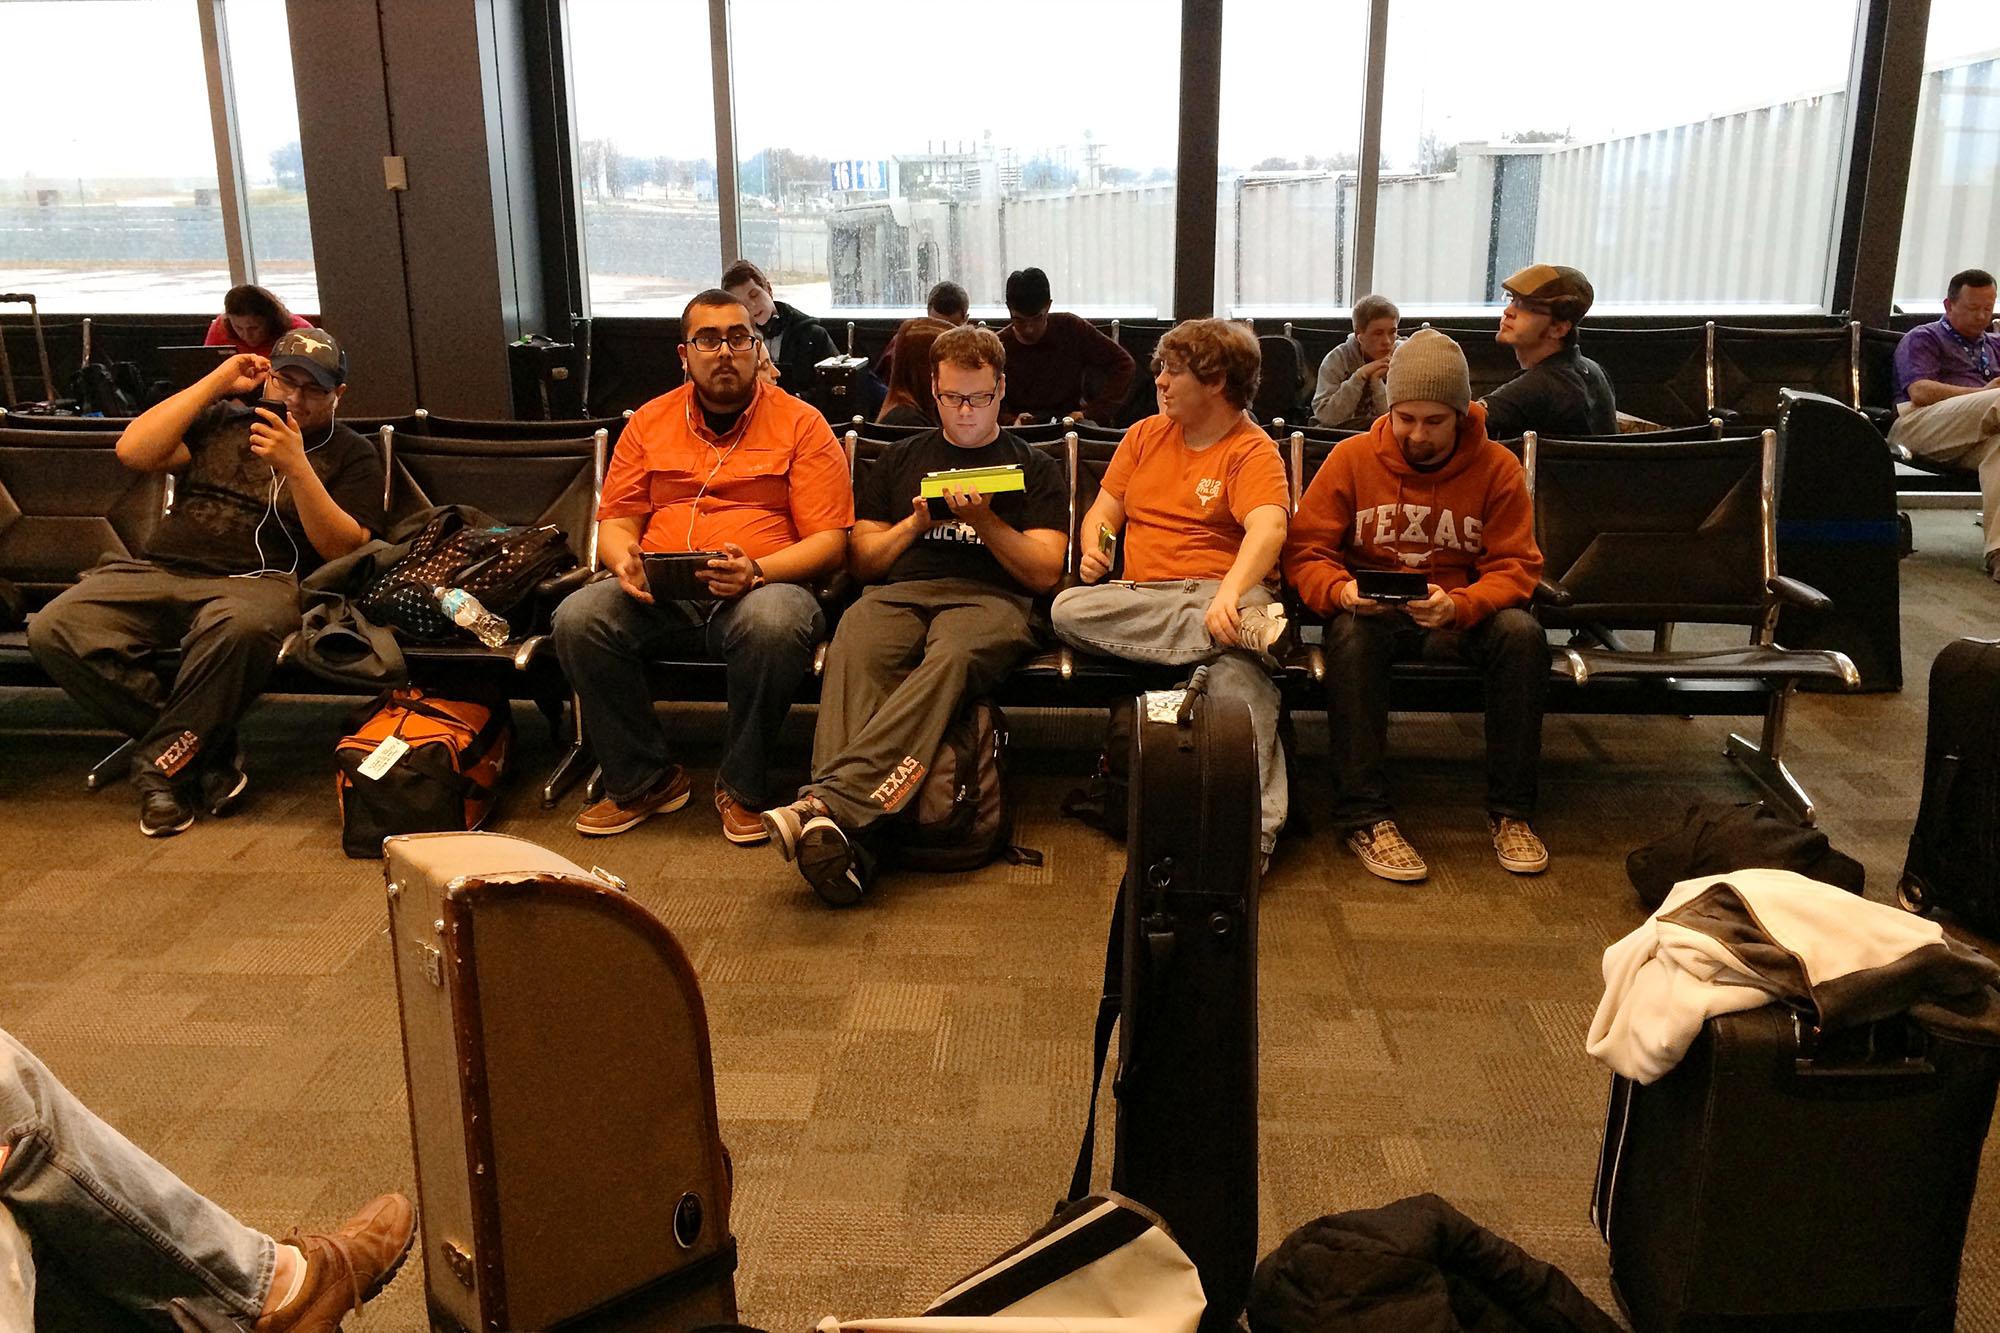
(500, 565)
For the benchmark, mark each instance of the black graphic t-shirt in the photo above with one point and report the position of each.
(951, 549)
(224, 520)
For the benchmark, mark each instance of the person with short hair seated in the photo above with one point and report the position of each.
(1948, 394)
(909, 401)
(1050, 356)
(252, 319)
(1560, 391)
(131, 1234)
(264, 495)
(1351, 392)
(796, 341)
(944, 617)
(1199, 498)
(1426, 492)
(723, 463)
(949, 303)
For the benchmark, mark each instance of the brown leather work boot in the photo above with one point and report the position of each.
(348, 1268)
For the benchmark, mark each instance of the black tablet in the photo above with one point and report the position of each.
(1391, 585)
(670, 575)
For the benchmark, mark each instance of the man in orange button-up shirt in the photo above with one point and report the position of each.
(724, 463)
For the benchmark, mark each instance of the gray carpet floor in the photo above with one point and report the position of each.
(901, 1085)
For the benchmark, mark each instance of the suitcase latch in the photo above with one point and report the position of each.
(458, 1261)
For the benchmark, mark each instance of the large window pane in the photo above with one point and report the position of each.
(107, 167)
(645, 149)
(959, 142)
(1680, 155)
(267, 129)
(1952, 218)
(1285, 206)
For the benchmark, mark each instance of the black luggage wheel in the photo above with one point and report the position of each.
(1910, 895)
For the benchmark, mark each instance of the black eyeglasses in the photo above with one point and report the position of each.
(946, 398)
(739, 341)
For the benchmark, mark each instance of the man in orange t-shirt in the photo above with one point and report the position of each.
(1200, 497)
(724, 463)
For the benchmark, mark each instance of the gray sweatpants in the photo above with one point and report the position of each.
(1164, 623)
(903, 661)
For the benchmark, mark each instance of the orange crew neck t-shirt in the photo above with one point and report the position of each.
(1184, 508)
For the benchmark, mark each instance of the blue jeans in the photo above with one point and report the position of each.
(605, 637)
(116, 1218)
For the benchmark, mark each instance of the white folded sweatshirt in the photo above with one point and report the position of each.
(1724, 943)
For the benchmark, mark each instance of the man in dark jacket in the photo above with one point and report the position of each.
(1559, 391)
(794, 339)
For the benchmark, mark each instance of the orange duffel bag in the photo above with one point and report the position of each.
(420, 764)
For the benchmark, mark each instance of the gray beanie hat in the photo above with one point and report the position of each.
(1430, 367)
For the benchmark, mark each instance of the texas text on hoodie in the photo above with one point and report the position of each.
(1468, 526)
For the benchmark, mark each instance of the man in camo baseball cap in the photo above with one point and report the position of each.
(315, 352)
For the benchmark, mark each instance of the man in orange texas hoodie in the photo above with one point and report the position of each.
(1425, 491)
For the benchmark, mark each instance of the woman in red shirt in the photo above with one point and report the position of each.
(252, 319)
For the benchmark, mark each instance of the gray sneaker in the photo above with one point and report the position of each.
(787, 822)
(1261, 627)
(829, 862)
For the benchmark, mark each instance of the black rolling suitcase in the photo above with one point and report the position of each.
(49, 405)
(1778, 1182)
(1181, 982)
(1954, 858)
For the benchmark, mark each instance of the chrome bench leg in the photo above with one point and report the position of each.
(1764, 762)
(563, 776)
(570, 765)
(110, 768)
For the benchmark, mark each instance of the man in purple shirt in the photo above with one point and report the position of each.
(1948, 394)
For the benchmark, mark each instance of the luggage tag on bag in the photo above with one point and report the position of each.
(1164, 705)
(383, 757)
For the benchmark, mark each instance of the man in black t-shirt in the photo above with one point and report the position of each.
(263, 495)
(944, 617)
(1559, 391)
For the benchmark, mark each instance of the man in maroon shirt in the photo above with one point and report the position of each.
(1048, 356)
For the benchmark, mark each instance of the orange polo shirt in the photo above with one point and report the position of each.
(1184, 508)
(776, 477)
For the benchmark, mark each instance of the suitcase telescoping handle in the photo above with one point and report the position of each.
(1875, 1066)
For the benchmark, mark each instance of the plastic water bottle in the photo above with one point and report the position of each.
(466, 613)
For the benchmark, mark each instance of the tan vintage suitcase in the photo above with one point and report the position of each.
(570, 1173)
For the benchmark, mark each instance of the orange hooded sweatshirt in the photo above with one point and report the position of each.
(1468, 527)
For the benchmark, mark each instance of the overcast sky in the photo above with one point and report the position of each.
(869, 81)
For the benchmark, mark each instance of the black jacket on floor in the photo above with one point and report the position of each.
(1415, 1266)
(1715, 839)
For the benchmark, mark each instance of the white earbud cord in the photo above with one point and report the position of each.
(271, 512)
